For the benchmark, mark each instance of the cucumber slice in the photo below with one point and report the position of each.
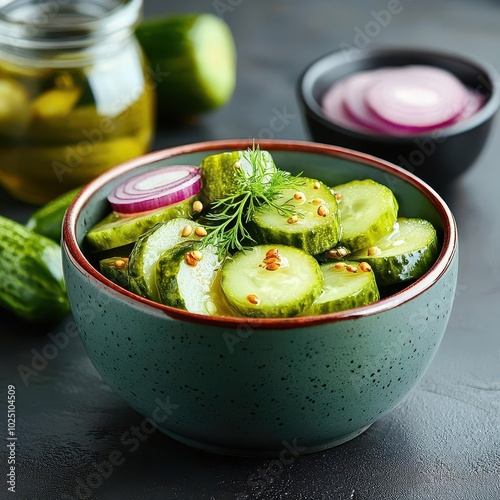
(218, 175)
(116, 270)
(312, 232)
(149, 248)
(271, 282)
(368, 211)
(187, 282)
(406, 253)
(346, 285)
(117, 230)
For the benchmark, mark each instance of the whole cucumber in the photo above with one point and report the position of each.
(48, 219)
(193, 63)
(32, 284)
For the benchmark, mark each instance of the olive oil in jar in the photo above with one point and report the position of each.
(75, 95)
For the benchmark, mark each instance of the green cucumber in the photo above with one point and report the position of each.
(117, 230)
(185, 282)
(406, 253)
(311, 232)
(193, 63)
(148, 249)
(219, 176)
(368, 211)
(32, 284)
(116, 270)
(48, 219)
(266, 281)
(346, 286)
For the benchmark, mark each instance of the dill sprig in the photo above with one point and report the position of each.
(257, 185)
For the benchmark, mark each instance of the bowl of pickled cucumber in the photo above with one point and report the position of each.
(249, 296)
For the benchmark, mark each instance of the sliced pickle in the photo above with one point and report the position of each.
(14, 108)
(406, 253)
(315, 230)
(219, 177)
(368, 211)
(116, 270)
(152, 244)
(117, 230)
(185, 277)
(55, 103)
(346, 285)
(271, 281)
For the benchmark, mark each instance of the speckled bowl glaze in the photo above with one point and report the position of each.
(262, 387)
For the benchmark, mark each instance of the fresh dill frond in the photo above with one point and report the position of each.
(258, 184)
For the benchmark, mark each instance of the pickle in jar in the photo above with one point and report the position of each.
(53, 136)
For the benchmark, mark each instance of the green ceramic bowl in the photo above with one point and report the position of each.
(257, 387)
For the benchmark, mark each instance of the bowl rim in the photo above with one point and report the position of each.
(443, 262)
(487, 111)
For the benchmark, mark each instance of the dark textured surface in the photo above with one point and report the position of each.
(442, 443)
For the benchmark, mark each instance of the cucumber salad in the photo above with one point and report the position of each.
(238, 236)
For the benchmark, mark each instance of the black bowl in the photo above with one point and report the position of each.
(438, 157)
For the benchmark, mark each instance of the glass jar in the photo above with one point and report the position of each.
(76, 97)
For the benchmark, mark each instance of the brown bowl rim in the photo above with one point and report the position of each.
(443, 262)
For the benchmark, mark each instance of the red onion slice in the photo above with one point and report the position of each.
(156, 189)
(335, 110)
(416, 97)
(473, 104)
(356, 87)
